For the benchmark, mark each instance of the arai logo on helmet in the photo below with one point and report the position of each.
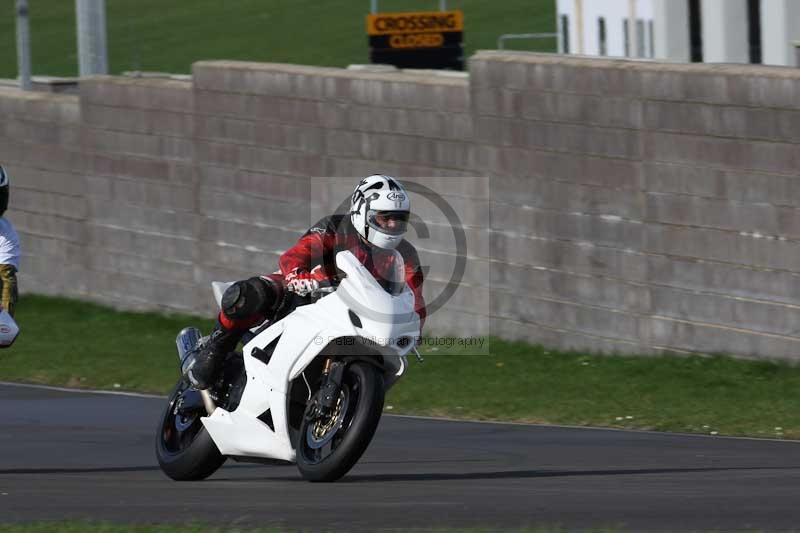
(397, 197)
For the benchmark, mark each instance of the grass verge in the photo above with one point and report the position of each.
(170, 36)
(78, 344)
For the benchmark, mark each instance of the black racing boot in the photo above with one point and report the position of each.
(201, 365)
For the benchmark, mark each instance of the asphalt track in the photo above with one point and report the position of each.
(66, 455)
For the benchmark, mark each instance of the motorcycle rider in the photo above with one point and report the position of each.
(375, 225)
(9, 251)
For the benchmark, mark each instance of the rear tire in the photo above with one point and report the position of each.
(184, 449)
(362, 398)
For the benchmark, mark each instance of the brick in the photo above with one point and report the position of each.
(566, 315)
(113, 238)
(760, 218)
(176, 148)
(226, 262)
(52, 226)
(583, 289)
(603, 230)
(454, 322)
(682, 335)
(99, 187)
(120, 142)
(265, 185)
(760, 316)
(246, 234)
(463, 297)
(781, 92)
(138, 120)
(226, 104)
(52, 249)
(41, 132)
(309, 86)
(731, 247)
(579, 257)
(731, 185)
(182, 172)
(55, 157)
(347, 144)
(453, 98)
(558, 338)
(148, 93)
(154, 194)
(231, 206)
(140, 265)
(724, 279)
(217, 153)
(143, 218)
(46, 181)
(722, 153)
(225, 129)
(303, 138)
(286, 110)
(474, 187)
(550, 194)
(583, 109)
(127, 166)
(47, 203)
(724, 121)
(443, 238)
(582, 139)
(444, 267)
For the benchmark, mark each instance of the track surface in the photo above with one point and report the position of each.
(65, 455)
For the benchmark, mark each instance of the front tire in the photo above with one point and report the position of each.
(328, 449)
(184, 449)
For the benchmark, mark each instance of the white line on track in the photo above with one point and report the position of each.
(419, 417)
(82, 391)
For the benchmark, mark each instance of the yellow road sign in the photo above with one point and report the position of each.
(420, 22)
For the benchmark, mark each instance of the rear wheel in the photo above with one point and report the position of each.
(329, 446)
(184, 449)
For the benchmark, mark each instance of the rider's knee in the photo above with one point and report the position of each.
(254, 296)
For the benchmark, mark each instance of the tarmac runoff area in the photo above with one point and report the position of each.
(67, 455)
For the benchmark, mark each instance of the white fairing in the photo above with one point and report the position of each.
(219, 288)
(8, 329)
(385, 320)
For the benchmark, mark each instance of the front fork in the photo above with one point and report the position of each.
(328, 393)
(186, 341)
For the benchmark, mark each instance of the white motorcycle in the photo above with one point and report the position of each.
(307, 389)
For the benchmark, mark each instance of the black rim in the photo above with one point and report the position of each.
(179, 430)
(316, 448)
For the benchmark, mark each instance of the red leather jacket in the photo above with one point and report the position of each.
(320, 244)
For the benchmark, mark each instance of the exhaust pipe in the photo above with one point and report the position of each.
(187, 341)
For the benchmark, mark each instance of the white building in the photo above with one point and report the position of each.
(714, 31)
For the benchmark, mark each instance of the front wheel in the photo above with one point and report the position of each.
(184, 449)
(329, 446)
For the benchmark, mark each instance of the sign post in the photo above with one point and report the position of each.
(427, 39)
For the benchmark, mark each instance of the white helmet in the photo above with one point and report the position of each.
(379, 210)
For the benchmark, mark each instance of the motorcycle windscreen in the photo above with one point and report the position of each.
(391, 274)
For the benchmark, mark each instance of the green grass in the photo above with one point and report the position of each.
(170, 36)
(65, 342)
(80, 344)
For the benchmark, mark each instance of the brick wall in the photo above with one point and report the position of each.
(633, 206)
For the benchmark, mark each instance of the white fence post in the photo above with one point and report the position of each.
(23, 46)
(92, 46)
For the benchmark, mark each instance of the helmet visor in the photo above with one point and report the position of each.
(390, 222)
